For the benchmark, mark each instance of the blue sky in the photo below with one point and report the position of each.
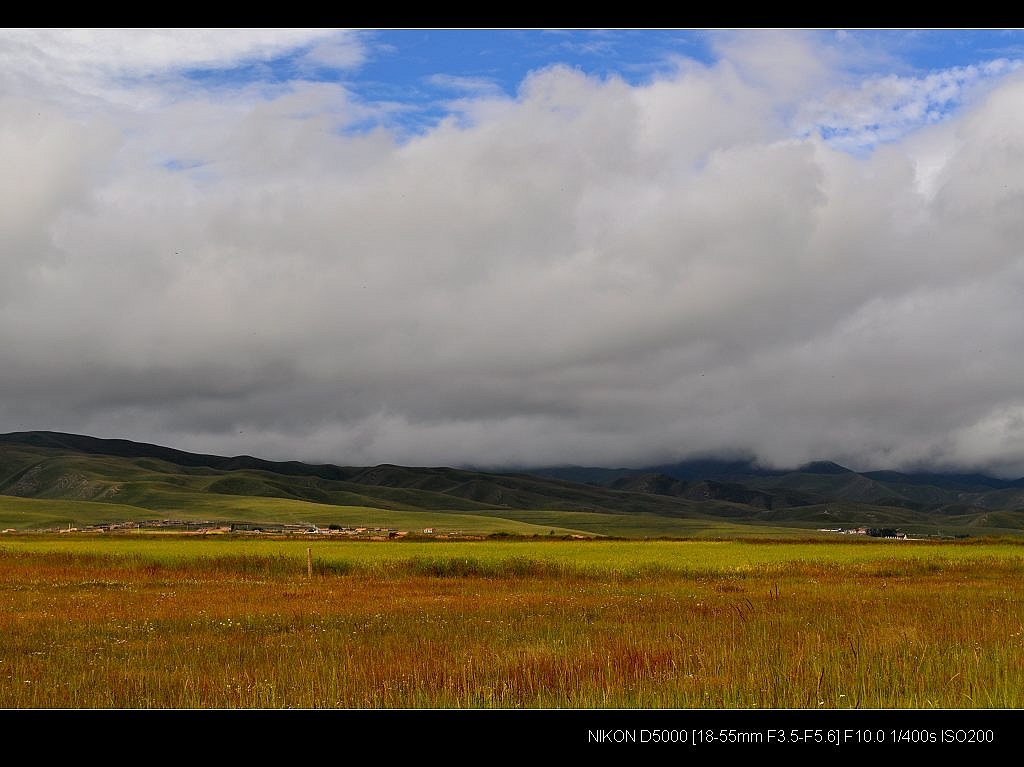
(518, 247)
(420, 72)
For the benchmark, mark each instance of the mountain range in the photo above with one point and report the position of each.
(49, 479)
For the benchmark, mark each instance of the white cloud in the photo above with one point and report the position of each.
(344, 51)
(588, 272)
(472, 85)
(127, 67)
(132, 52)
(885, 108)
(788, 63)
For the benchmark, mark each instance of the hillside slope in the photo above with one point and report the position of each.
(77, 468)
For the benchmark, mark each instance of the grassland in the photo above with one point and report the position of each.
(175, 622)
(37, 514)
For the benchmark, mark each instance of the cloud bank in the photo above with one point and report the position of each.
(586, 272)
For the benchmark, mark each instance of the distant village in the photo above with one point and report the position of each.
(208, 527)
(874, 532)
(884, 532)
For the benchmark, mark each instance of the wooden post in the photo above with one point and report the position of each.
(309, 562)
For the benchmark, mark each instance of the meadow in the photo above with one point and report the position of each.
(168, 621)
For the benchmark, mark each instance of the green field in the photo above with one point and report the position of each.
(34, 514)
(586, 557)
(27, 514)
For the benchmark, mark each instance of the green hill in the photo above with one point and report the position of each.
(53, 480)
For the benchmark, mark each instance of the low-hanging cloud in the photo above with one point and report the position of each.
(588, 271)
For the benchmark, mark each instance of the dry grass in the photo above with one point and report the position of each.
(96, 631)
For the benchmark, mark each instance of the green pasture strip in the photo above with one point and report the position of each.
(735, 558)
(643, 525)
(26, 514)
(34, 514)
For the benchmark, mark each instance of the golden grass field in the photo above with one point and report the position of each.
(164, 622)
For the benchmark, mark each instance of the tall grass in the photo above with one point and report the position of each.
(447, 628)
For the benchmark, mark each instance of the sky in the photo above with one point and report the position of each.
(504, 248)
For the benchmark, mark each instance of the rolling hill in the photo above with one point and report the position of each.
(51, 479)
